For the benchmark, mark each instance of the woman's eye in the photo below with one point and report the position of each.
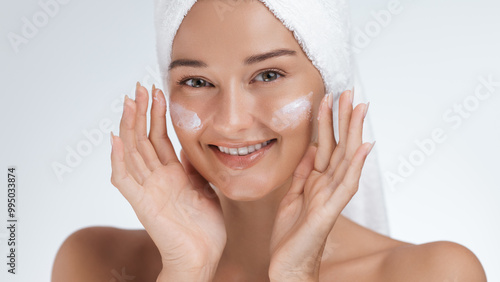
(268, 76)
(196, 82)
(265, 76)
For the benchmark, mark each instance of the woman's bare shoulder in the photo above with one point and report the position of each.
(436, 261)
(375, 257)
(106, 254)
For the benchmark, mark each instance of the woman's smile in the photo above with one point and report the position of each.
(242, 157)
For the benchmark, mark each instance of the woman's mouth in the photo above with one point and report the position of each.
(242, 157)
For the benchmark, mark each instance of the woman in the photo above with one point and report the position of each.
(250, 110)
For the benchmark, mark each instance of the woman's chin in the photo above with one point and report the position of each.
(244, 194)
(242, 191)
(251, 189)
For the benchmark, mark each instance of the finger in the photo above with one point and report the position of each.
(326, 137)
(355, 136)
(158, 134)
(344, 192)
(198, 181)
(196, 178)
(141, 101)
(120, 178)
(345, 112)
(353, 143)
(302, 172)
(143, 144)
(135, 163)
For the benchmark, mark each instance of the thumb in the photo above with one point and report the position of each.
(197, 180)
(304, 168)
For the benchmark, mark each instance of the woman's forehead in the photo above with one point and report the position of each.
(243, 26)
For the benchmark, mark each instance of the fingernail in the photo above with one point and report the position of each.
(111, 135)
(366, 109)
(330, 100)
(125, 101)
(155, 95)
(154, 88)
(322, 105)
(371, 147)
(137, 85)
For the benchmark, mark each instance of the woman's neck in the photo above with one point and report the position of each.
(249, 225)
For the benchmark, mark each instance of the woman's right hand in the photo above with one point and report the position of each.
(174, 203)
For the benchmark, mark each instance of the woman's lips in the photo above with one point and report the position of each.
(242, 162)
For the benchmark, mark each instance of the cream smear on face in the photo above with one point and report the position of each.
(291, 115)
(184, 118)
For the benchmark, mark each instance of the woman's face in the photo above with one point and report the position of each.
(225, 92)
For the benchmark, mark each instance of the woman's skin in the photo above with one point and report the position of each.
(278, 220)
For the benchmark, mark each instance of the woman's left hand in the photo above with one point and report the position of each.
(323, 183)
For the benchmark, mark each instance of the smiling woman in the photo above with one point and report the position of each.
(262, 182)
(244, 97)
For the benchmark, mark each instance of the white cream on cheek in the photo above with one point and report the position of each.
(184, 118)
(293, 113)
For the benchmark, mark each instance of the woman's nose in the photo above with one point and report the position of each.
(233, 113)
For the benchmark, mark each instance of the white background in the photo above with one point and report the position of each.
(74, 71)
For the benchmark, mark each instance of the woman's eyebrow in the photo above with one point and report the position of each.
(248, 61)
(187, 63)
(271, 54)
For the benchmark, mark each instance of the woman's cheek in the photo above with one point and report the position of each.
(185, 119)
(292, 114)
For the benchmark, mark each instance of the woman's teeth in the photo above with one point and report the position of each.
(243, 150)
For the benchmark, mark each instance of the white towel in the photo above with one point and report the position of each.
(322, 28)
